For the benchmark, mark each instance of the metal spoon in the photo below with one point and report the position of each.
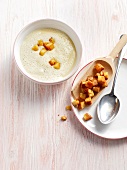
(109, 104)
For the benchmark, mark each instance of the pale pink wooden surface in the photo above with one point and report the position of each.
(32, 137)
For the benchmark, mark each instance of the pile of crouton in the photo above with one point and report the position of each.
(91, 86)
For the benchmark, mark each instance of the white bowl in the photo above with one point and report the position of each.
(47, 23)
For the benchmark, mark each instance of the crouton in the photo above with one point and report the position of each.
(75, 103)
(96, 89)
(90, 93)
(106, 75)
(87, 116)
(101, 80)
(81, 105)
(88, 101)
(82, 96)
(98, 67)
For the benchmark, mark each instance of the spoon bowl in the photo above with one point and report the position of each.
(108, 108)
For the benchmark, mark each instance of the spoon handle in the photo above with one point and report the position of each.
(120, 57)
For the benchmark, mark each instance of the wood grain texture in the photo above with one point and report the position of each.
(32, 137)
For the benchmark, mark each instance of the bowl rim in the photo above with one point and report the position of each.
(74, 69)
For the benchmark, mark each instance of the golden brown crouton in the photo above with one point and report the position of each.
(101, 73)
(40, 43)
(63, 118)
(106, 75)
(82, 84)
(75, 103)
(101, 80)
(89, 84)
(48, 45)
(82, 96)
(43, 51)
(35, 48)
(98, 67)
(95, 82)
(52, 62)
(84, 90)
(97, 74)
(52, 40)
(104, 84)
(90, 78)
(56, 65)
(90, 93)
(87, 116)
(96, 89)
(88, 101)
(68, 107)
(81, 105)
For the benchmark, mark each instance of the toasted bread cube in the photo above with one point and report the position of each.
(40, 43)
(35, 48)
(106, 75)
(43, 51)
(63, 118)
(97, 74)
(101, 80)
(87, 116)
(101, 73)
(52, 62)
(89, 84)
(45, 43)
(104, 84)
(90, 78)
(95, 82)
(75, 103)
(68, 107)
(90, 93)
(82, 84)
(56, 65)
(81, 105)
(85, 85)
(52, 40)
(88, 101)
(96, 89)
(82, 96)
(98, 67)
(84, 90)
(48, 45)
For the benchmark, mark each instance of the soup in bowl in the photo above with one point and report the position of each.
(48, 51)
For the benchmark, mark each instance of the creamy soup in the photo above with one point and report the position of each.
(38, 66)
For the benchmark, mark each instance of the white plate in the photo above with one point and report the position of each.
(118, 128)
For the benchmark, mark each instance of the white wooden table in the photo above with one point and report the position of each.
(32, 136)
